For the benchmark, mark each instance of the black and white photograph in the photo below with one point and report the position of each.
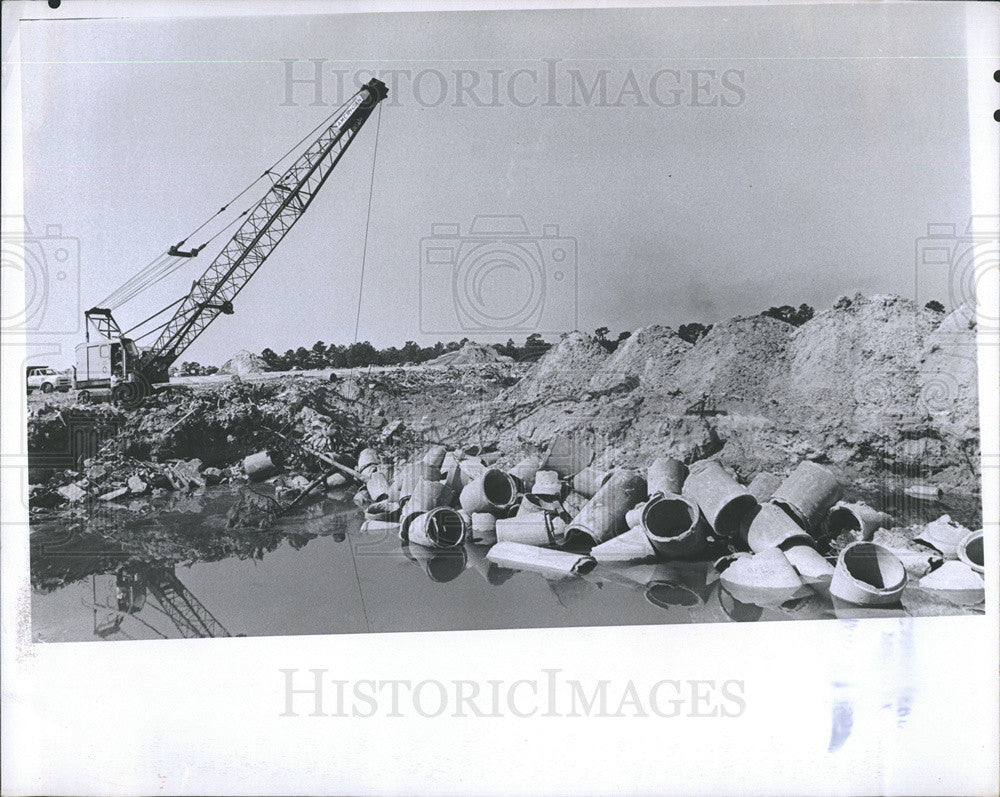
(374, 321)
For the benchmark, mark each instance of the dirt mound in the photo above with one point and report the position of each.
(471, 353)
(647, 359)
(736, 361)
(857, 363)
(948, 375)
(244, 363)
(563, 372)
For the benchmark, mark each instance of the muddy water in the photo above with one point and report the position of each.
(170, 569)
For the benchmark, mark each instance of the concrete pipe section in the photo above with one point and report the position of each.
(674, 526)
(666, 475)
(442, 527)
(808, 493)
(858, 520)
(492, 491)
(868, 575)
(725, 503)
(603, 516)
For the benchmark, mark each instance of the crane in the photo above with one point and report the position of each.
(109, 358)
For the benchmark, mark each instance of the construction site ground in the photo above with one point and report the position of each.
(877, 388)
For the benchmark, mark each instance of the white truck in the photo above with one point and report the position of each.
(41, 377)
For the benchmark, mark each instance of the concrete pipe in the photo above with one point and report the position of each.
(367, 460)
(763, 485)
(725, 503)
(589, 480)
(970, 550)
(470, 469)
(772, 527)
(858, 520)
(493, 491)
(525, 470)
(674, 526)
(868, 575)
(666, 475)
(484, 528)
(261, 465)
(435, 457)
(808, 493)
(387, 511)
(442, 527)
(426, 496)
(633, 518)
(603, 517)
(538, 529)
(377, 486)
(632, 546)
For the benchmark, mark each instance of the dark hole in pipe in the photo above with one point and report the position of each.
(668, 517)
(446, 529)
(974, 550)
(841, 520)
(497, 488)
(729, 521)
(872, 566)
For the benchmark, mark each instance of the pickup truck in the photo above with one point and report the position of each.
(41, 377)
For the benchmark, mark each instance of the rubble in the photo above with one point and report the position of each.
(944, 535)
(956, 582)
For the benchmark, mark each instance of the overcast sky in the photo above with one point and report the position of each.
(705, 162)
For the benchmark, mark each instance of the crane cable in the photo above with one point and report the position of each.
(368, 218)
(164, 264)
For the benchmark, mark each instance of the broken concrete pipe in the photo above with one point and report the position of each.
(377, 485)
(261, 465)
(725, 503)
(426, 496)
(546, 483)
(387, 511)
(868, 575)
(763, 485)
(544, 560)
(484, 528)
(811, 566)
(970, 550)
(368, 459)
(773, 527)
(858, 520)
(540, 528)
(469, 470)
(532, 504)
(632, 546)
(492, 491)
(808, 493)
(441, 527)
(589, 480)
(944, 535)
(956, 582)
(524, 472)
(435, 457)
(603, 517)
(666, 475)
(764, 579)
(674, 526)
(574, 503)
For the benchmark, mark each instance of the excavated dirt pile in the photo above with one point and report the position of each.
(244, 363)
(471, 353)
(877, 385)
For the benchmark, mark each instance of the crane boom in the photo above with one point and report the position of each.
(265, 226)
(113, 360)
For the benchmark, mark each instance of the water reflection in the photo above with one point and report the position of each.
(117, 573)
